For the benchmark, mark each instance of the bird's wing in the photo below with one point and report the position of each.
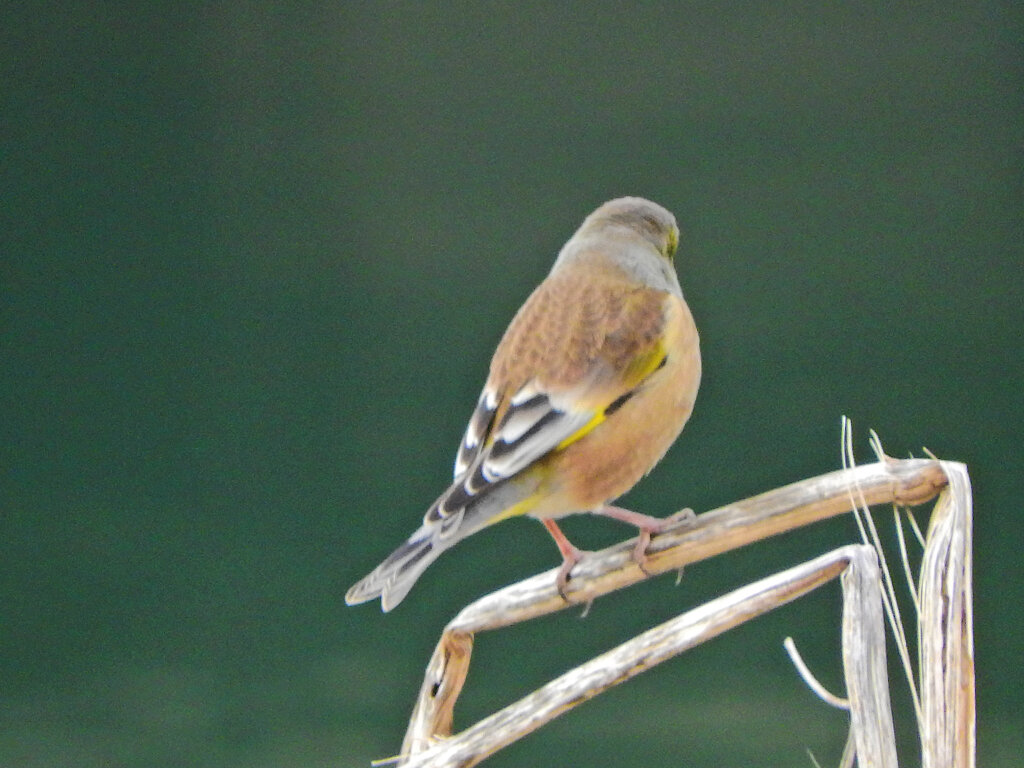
(574, 354)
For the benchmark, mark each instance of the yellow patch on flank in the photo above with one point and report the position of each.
(581, 432)
(643, 365)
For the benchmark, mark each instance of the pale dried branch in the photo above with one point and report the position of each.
(905, 482)
(651, 648)
(867, 679)
(947, 629)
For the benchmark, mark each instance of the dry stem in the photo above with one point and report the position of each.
(905, 482)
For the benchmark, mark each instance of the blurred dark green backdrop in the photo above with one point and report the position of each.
(255, 259)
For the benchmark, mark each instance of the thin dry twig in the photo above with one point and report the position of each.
(905, 559)
(866, 522)
(810, 680)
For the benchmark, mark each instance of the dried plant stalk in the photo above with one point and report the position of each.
(906, 482)
(947, 629)
(688, 630)
(867, 678)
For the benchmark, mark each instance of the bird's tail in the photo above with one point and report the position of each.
(392, 579)
(471, 503)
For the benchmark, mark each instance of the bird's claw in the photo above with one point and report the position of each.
(683, 515)
(643, 539)
(562, 579)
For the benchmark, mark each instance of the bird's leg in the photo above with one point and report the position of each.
(570, 556)
(647, 525)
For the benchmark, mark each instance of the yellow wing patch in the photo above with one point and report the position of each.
(638, 370)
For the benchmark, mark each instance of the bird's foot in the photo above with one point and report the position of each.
(570, 556)
(647, 526)
(565, 572)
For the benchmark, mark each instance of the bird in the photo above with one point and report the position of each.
(590, 385)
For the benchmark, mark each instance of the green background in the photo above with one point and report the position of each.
(255, 258)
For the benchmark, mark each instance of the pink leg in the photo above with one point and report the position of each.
(570, 555)
(646, 524)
